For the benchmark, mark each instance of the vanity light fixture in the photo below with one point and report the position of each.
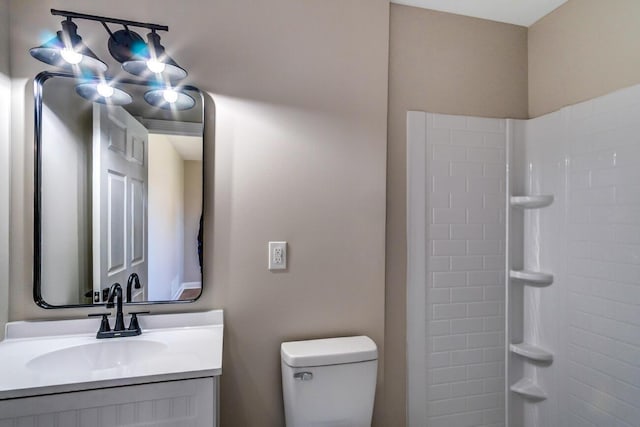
(169, 99)
(103, 93)
(154, 61)
(66, 50)
(147, 60)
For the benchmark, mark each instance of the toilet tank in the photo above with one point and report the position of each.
(329, 382)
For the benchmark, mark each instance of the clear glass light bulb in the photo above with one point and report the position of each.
(71, 56)
(104, 90)
(170, 96)
(155, 66)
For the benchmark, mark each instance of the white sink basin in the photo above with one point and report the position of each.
(60, 356)
(97, 356)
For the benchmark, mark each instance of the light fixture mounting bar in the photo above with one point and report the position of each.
(103, 19)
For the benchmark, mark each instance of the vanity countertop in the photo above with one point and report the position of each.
(45, 357)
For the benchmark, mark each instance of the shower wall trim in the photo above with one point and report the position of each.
(416, 271)
(455, 270)
(507, 263)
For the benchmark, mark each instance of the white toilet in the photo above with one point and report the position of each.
(329, 382)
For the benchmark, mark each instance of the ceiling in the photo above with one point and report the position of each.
(519, 12)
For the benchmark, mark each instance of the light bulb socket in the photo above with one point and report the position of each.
(69, 34)
(156, 50)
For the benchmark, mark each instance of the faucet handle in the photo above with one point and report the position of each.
(133, 324)
(104, 324)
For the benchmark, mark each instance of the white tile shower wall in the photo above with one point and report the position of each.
(588, 155)
(464, 159)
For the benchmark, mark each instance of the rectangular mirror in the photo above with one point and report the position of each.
(119, 192)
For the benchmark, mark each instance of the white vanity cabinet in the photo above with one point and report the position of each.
(183, 403)
(57, 374)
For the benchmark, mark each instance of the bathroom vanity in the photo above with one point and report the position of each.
(118, 221)
(56, 373)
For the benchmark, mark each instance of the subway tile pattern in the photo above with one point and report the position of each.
(604, 262)
(465, 193)
(588, 156)
(590, 316)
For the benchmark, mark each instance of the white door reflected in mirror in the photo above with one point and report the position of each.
(120, 147)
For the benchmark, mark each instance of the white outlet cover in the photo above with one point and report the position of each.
(277, 256)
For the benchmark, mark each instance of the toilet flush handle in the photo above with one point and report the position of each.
(303, 376)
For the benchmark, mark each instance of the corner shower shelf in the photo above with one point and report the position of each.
(531, 352)
(531, 202)
(532, 278)
(529, 390)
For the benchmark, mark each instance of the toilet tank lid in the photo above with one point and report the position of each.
(329, 351)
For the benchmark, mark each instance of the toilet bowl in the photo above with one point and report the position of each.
(329, 382)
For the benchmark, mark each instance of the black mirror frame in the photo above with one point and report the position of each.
(38, 85)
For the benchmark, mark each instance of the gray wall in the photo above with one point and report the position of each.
(584, 49)
(165, 218)
(298, 127)
(192, 211)
(5, 174)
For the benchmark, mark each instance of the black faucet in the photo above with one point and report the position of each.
(115, 292)
(105, 331)
(134, 281)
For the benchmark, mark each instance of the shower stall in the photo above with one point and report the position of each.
(523, 292)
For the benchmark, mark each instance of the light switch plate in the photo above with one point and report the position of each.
(277, 255)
